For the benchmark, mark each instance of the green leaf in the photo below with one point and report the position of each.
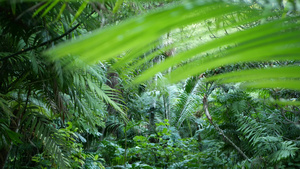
(70, 126)
(50, 7)
(293, 84)
(63, 7)
(96, 157)
(258, 74)
(117, 5)
(275, 46)
(138, 32)
(41, 8)
(79, 11)
(15, 137)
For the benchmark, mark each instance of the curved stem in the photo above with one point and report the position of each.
(205, 107)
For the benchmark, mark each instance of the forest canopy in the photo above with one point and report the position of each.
(149, 84)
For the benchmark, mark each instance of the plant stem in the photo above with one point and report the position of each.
(205, 107)
(44, 43)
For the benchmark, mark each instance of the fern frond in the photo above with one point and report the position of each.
(239, 106)
(286, 149)
(188, 101)
(264, 142)
(41, 129)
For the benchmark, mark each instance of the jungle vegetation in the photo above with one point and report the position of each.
(149, 84)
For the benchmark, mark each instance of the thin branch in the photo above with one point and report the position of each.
(213, 36)
(42, 44)
(45, 43)
(205, 107)
(288, 120)
(295, 107)
(31, 9)
(294, 112)
(291, 139)
(99, 13)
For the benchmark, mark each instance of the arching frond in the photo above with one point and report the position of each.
(260, 40)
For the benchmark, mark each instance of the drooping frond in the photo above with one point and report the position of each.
(41, 129)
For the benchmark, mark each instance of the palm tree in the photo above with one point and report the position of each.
(36, 91)
(42, 81)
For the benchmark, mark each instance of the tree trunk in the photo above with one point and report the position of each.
(151, 121)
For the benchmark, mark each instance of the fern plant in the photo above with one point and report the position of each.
(265, 141)
(37, 95)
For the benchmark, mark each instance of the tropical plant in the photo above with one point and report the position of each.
(275, 38)
(60, 103)
(38, 96)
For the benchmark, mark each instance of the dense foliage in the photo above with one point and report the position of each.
(149, 84)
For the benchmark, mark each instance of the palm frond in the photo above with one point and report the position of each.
(44, 131)
(139, 32)
(258, 74)
(4, 107)
(260, 40)
(189, 101)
